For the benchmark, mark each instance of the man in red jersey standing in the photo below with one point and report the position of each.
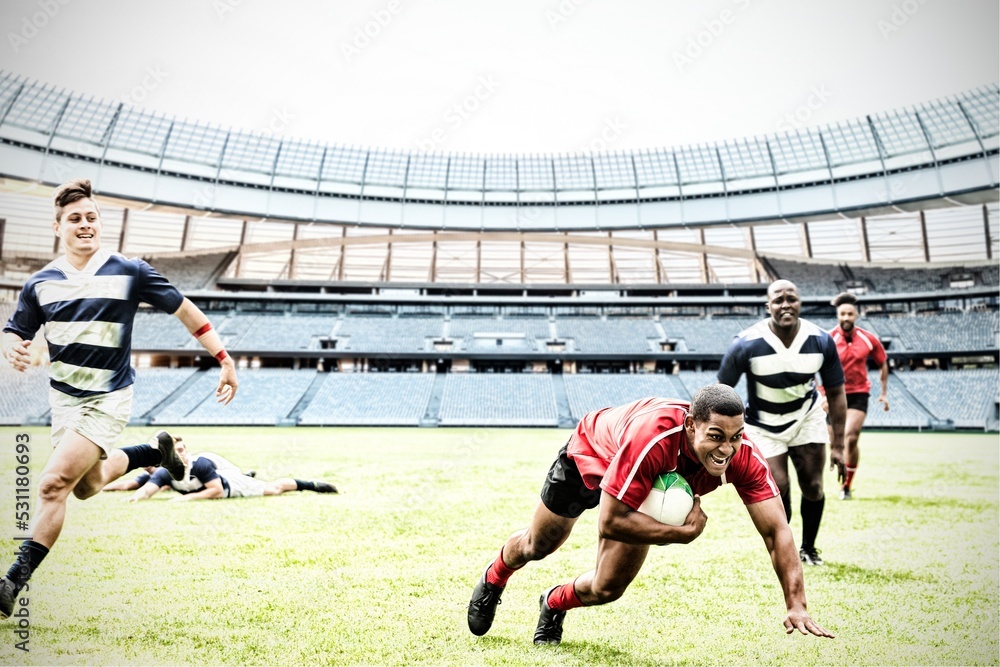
(855, 347)
(611, 460)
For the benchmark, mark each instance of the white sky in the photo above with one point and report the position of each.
(560, 73)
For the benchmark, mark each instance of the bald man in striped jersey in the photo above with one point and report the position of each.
(780, 357)
(86, 301)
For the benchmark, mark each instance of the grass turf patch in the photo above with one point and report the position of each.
(382, 573)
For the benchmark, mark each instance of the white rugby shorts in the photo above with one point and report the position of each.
(241, 486)
(810, 429)
(100, 418)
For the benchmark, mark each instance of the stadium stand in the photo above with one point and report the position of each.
(610, 336)
(153, 330)
(695, 380)
(369, 399)
(708, 336)
(193, 273)
(964, 397)
(899, 280)
(945, 332)
(388, 334)
(828, 323)
(6, 310)
(990, 274)
(201, 389)
(498, 399)
(588, 392)
(903, 280)
(818, 279)
(232, 327)
(523, 335)
(266, 396)
(25, 396)
(467, 326)
(811, 279)
(153, 385)
(905, 410)
(288, 332)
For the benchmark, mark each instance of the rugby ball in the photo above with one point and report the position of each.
(670, 500)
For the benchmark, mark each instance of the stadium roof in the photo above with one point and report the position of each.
(313, 211)
(941, 149)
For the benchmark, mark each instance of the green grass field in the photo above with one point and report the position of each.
(382, 573)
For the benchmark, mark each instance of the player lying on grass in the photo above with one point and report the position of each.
(611, 460)
(222, 465)
(205, 480)
(86, 301)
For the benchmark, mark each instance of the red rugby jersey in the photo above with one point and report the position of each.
(623, 449)
(854, 353)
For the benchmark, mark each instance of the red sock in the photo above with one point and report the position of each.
(564, 598)
(849, 477)
(498, 573)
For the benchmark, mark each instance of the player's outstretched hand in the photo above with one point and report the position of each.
(18, 356)
(226, 391)
(885, 403)
(801, 621)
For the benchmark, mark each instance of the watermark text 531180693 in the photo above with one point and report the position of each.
(22, 519)
(22, 481)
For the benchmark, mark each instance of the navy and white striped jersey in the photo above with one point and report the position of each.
(201, 472)
(781, 385)
(88, 317)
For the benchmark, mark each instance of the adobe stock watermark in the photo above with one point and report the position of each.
(363, 35)
(899, 16)
(712, 29)
(153, 77)
(32, 23)
(457, 114)
(900, 185)
(793, 120)
(280, 120)
(610, 132)
(562, 12)
(223, 8)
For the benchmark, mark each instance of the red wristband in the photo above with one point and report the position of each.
(202, 331)
(221, 355)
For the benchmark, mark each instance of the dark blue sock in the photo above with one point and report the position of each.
(301, 485)
(140, 456)
(812, 514)
(29, 557)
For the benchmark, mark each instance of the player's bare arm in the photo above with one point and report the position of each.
(198, 325)
(213, 489)
(146, 491)
(15, 351)
(617, 521)
(769, 518)
(837, 400)
(122, 484)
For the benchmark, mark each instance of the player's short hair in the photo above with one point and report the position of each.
(69, 192)
(719, 399)
(844, 297)
(781, 283)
